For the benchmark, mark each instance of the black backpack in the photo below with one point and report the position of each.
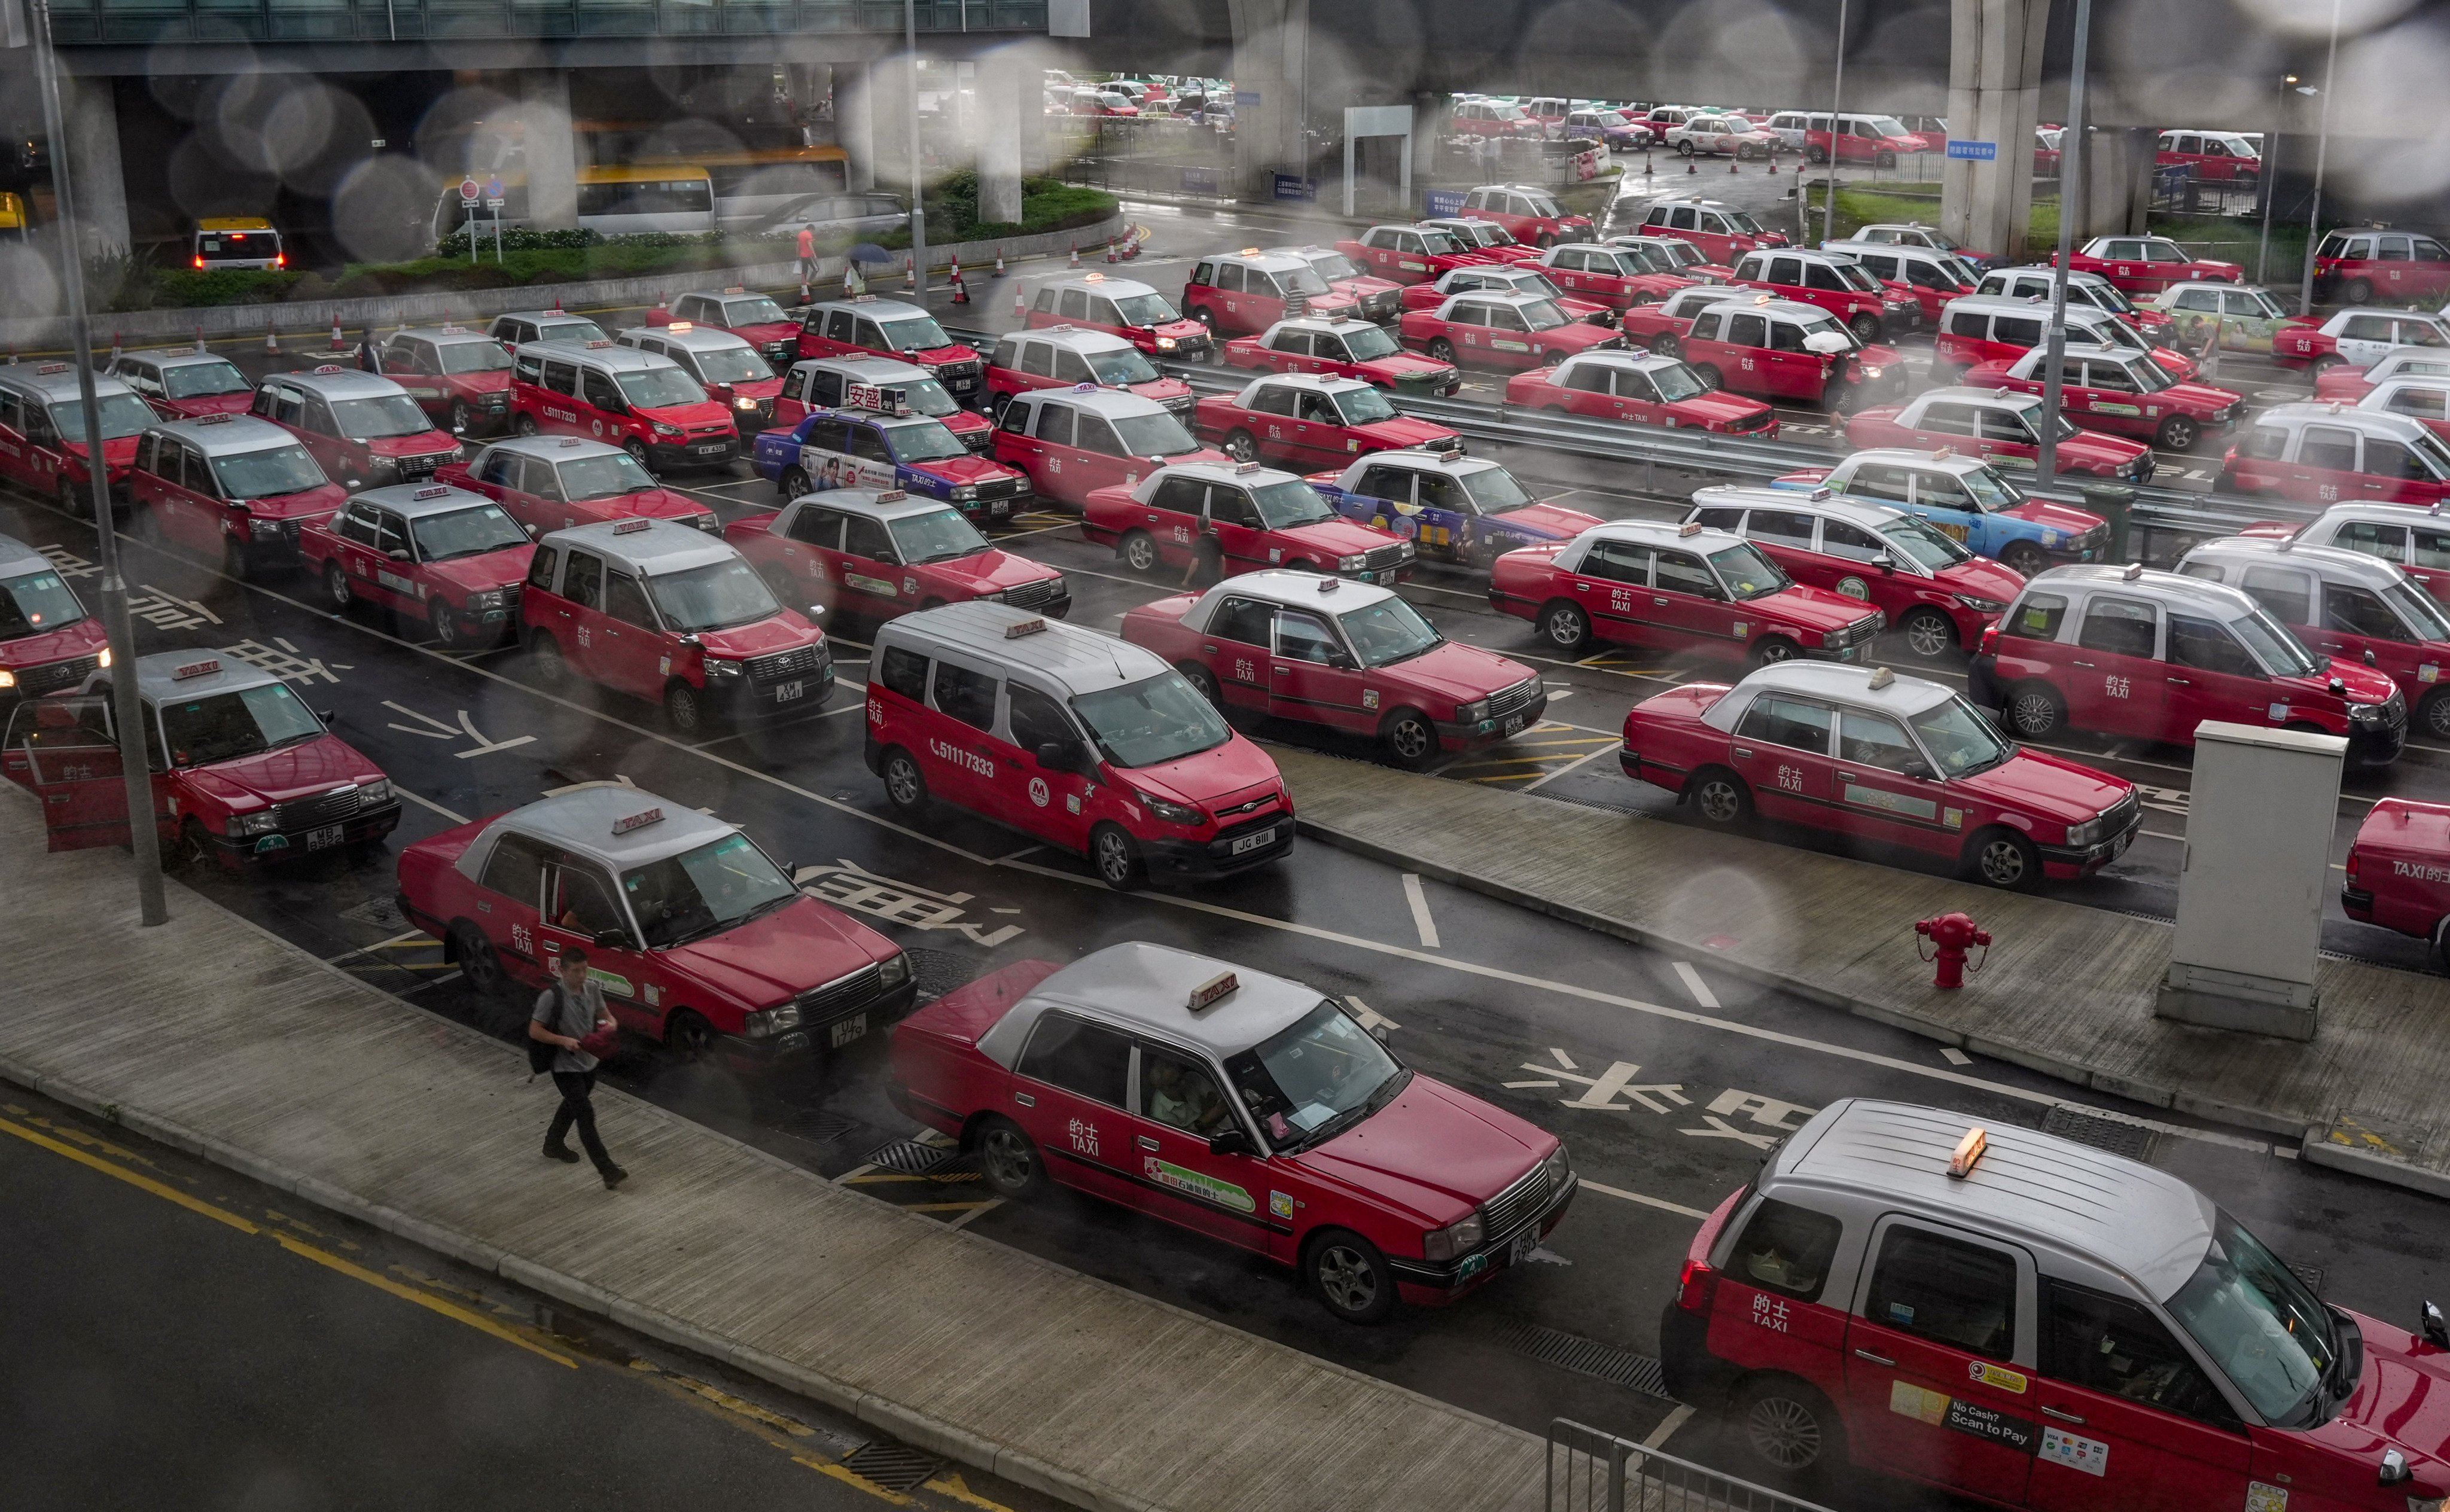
(541, 1053)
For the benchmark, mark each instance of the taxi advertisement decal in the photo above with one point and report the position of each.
(882, 587)
(2059, 1446)
(1224, 1194)
(2262, 1498)
(1995, 1376)
(1904, 803)
(1958, 1415)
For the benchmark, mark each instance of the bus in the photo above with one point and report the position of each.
(759, 171)
(612, 202)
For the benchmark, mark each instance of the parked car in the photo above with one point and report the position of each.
(233, 489)
(2344, 383)
(2329, 454)
(2397, 267)
(1998, 425)
(438, 555)
(1616, 278)
(1061, 356)
(2410, 536)
(1516, 278)
(1966, 499)
(1453, 507)
(2114, 391)
(557, 482)
(1720, 232)
(1344, 349)
(1640, 388)
(1072, 442)
(755, 318)
(1502, 330)
(48, 641)
(2356, 338)
(2248, 318)
(1722, 136)
(1929, 279)
(186, 385)
(2147, 265)
(825, 383)
(1243, 293)
(1123, 307)
(732, 371)
(1836, 283)
(858, 553)
(2211, 156)
(2083, 288)
(2396, 871)
(1234, 519)
(1773, 349)
(1305, 422)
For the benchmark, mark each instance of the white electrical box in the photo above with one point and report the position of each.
(2258, 860)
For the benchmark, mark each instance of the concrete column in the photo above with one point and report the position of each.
(855, 121)
(91, 115)
(886, 92)
(1994, 79)
(1270, 59)
(1008, 103)
(552, 150)
(2117, 181)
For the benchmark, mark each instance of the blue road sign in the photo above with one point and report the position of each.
(493, 187)
(1974, 152)
(1444, 204)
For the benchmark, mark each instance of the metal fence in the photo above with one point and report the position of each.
(1591, 1471)
(145, 21)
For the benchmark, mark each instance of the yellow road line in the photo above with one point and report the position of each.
(132, 1178)
(940, 1207)
(851, 1477)
(1504, 777)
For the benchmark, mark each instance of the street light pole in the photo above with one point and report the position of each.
(2271, 179)
(119, 632)
(2322, 151)
(917, 169)
(2071, 189)
(1836, 94)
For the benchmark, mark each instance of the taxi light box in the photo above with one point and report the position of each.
(202, 669)
(637, 821)
(631, 527)
(431, 492)
(1969, 1150)
(1210, 991)
(1019, 628)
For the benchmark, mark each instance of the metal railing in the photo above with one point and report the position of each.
(148, 20)
(1591, 1471)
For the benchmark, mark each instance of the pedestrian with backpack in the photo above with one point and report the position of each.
(569, 1031)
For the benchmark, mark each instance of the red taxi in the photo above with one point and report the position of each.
(1083, 741)
(1267, 1118)
(48, 641)
(1998, 424)
(516, 330)
(701, 942)
(639, 401)
(1064, 357)
(1503, 279)
(2415, 539)
(1662, 327)
(460, 377)
(1932, 278)
(1373, 298)
(2399, 872)
(1618, 278)
(1878, 140)
(183, 385)
(2210, 156)
(1720, 232)
(43, 434)
(2090, 289)
(2329, 454)
(1773, 349)
(1237, 517)
(1836, 283)
(230, 488)
(1889, 760)
(2425, 400)
(243, 770)
(1121, 307)
(1527, 213)
(449, 559)
(1072, 442)
(2358, 338)
(362, 430)
(879, 444)
(753, 317)
(2397, 267)
(1354, 349)
(1640, 388)
(553, 483)
(1495, 117)
(1410, 254)
(2117, 392)
(2347, 604)
(673, 616)
(1238, 293)
(1978, 328)
(866, 325)
(819, 383)
(1677, 587)
(1308, 422)
(858, 553)
(1503, 330)
(2132, 651)
(2147, 265)
(1483, 236)
(1348, 656)
(1673, 256)
(1936, 595)
(725, 365)
(2350, 384)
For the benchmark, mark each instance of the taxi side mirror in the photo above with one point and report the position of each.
(2435, 1331)
(1886, 562)
(1234, 1141)
(1059, 756)
(2394, 1469)
(396, 554)
(610, 940)
(1917, 771)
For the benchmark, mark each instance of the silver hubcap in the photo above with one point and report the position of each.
(1566, 628)
(1927, 635)
(2025, 564)
(901, 781)
(1775, 651)
(2436, 716)
(2003, 864)
(1240, 449)
(1005, 1154)
(1114, 859)
(1346, 1279)
(548, 660)
(339, 586)
(1785, 1433)
(2032, 715)
(1411, 739)
(2181, 435)
(683, 706)
(1720, 801)
(1141, 553)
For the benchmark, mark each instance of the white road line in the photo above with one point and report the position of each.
(987, 1207)
(380, 944)
(1546, 778)
(1421, 920)
(428, 803)
(1694, 984)
(1954, 1056)
(1588, 1185)
(1667, 1426)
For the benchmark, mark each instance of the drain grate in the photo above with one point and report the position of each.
(909, 1156)
(825, 1128)
(894, 1466)
(2101, 1130)
(941, 970)
(377, 913)
(1569, 1351)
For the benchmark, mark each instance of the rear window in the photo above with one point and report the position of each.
(2037, 617)
(1786, 1249)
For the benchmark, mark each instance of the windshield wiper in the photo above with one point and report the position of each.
(287, 741)
(709, 928)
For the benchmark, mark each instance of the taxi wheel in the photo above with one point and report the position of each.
(1203, 681)
(1007, 1161)
(478, 963)
(1720, 797)
(683, 710)
(461, 421)
(2002, 858)
(2324, 365)
(1442, 350)
(997, 404)
(189, 852)
(1664, 344)
(1350, 1275)
(233, 559)
(905, 785)
(1866, 329)
(2360, 291)
(72, 501)
(551, 668)
(1815, 154)
(1116, 858)
(1885, 161)
(1139, 552)
(1685, 148)
(2035, 711)
(2433, 715)
(527, 425)
(2178, 434)
(2025, 559)
(688, 1038)
(1241, 448)
(445, 626)
(794, 483)
(1772, 649)
(1929, 634)
(1710, 375)
(1564, 625)
(1788, 1427)
(1410, 740)
(336, 584)
(638, 450)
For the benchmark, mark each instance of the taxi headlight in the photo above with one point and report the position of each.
(662, 429)
(722, 666)
(2365, 713)
(1350, 564)
(894, 973)
(744, 402)
(965, 493)
(105, 660)
(1981, 606)
(1165, 343)
(490, 598)
(771, 1020)
(264, 823)
(2091, 833)
(8, 679)
(707, 523)
(1405, 555)
(1171, 812)
(373, 794)
(1557, 1168)
(1453, 1240)
(2428, 1503)
(1473, 712)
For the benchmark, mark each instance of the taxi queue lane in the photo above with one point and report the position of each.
(1664, 1115)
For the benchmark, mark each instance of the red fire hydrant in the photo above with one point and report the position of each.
(1950, 936)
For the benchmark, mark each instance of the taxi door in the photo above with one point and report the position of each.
(577, 620)
(2131, 1424)
(2116, 679)
(1016, 447)
(1584, 389)
(2323, 470)
(2357, 624)
(1612, 586)
(1691, 608)
(1874, 797)
(16, 448)
(580, 909)
(1239, 649)
(868, 570)
(1050, 803)
(508, 900)
(1181, 1105)
(631, 653)
(1312, 677)
(1096, 458)
(1780, 748)
(1938, 1383)
(1794, 373)
(184, 518)
(956, 750)
(1233, 520)
(1068, 1091)
(2210, 676)
(61, 749)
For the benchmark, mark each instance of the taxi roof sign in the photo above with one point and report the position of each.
(1885, 677)
(598, 345)
(631, 527)
(1246, 467)
(213, 419)
(1093, 278)
(1249, 252)
(52, 367)
(1208, 993)
(1943, 453)
(1023, 626)
(682, 325)
(736, 288)
(2133, 572)
(571, 440)
(1084, 388)
(1453, 453)
(637, 821)
(438, 492)
(204, 669)
(893, 495)
(1689, 527)
(331, 367)
(1969, 1150)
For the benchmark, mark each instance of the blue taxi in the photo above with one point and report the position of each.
(1451, 507)
(1965, 498)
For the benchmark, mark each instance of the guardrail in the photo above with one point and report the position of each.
(151, 21)
(1591, 1471)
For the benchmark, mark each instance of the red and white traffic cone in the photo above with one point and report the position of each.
(1075, 255)
(114, 348)
(910, 271)
(200, 338)
(1020, 307)
(806, 298)
(1111, 255)
(1130, 243)
(271, 341)
(999, 265)
(1689, 166)
(339, 342)
(1731, 165)
(961, 290)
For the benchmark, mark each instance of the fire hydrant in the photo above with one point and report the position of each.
(1950, 936)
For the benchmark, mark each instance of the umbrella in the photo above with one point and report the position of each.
(869, 252)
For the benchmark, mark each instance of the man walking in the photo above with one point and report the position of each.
(567, 1011)
(808, 240)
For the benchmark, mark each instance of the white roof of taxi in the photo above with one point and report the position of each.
(1115, 404)
(2333, 411)
(2400, 358)
(1658, 532)
(1073, 339)
(2335, 564)
(340, 383)
(684, 333)
(416, 501)
(872, 306)
(1954, 461)
(865, 502)
(1999, 398)
(1141, 985)
(868, 369)
(1081, 661)
(2042, 271)
(1312, 382)
(2022, 305)
(554, 448)
(1318, 324)
(2229, 602)
(1869, 513)
(2048, 1193)
(1429, 460)
(582, 818)
(157, 675)
(608, 358)
(166, 361)
(1275, 262)
(61, 383)
(662, 546)
(1106, 284)
(1635, 358)
(444, 335)
(229, 434)
(544, 317)
(1904, 696)
(1225, 472)
(16, 557)
(1301, 589)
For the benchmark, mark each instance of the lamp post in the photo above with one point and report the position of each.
(2071, 188)
(2271, 179)
(1836, 92)
(2322, 151)
(917, 169)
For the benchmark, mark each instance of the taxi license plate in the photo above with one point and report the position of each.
(1251, 842)
(849, 1029)
(324, 838)
(1514, 724)
(999, 507)
(785, 692)
(1387, 576)
(1521, 1248)
(711, 448)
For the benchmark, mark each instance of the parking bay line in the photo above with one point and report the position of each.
(1420, 905)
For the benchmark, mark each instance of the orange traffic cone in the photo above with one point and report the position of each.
(339, 342)
(1731, 165)
(114, 348)
(1110, 250)
(909, 270)
(1075, 255)
(806, 298)
(1020, 307)
(1689, 168)
(999, 265)
(961, 290)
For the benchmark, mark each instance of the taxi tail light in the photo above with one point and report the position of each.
(1695, 1286)
(1990, 641)
(2354, 862)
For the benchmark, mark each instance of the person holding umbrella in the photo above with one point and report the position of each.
(854, 275)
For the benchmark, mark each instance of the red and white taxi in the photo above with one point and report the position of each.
(2423, 399)
(1662, 327)
(1483, 236)
(2350, 384)
(2331, 453)
(1411, 254)
(1242, 1106)
(1932, 278)
(1236, 294)
(554, 484)
(1490, 329)
(1720, 232)
(48, 640)
(1978, 328)
(640, 402)
(2411, 537)
(1307, 423)
(460, 377)
(756, 319)
(2147, 265)
(1836, 283)
(869, 555)
(732, 372)
(1238, 517)
(231, 489)
(823, 382)
(1528, 214)
(448, 558)
(2116, 392)
(866, 325)
(1072, 442)
(1615, 277)
(2399, 872)
(2087, 289)
(2356, 338)
(1061, 356)
(1133, 311)
(43, 434)
(1642, 388)
(1773, 349)
(1373, 298)
(183, 385)
(1354, 349)
(363, 430)
(2395, 267)
(1673, 256)
(1998, 424)
(1503, 279)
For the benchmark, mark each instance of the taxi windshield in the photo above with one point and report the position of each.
(917, 333)
(268, 474)
(2433, 449)
(701, 892)
(1926, 548)
(2419, 610)
(732, 364)
(1541, 315)
(939, 536)
(2148, 376)
(125, 414)
(658, 388)
(1960, 740)
(580, 332)
(1145, 309)
(1739, 221)
(1363, 405)
(2270, 306)
(1303, 281)
(1677, 381)
(1748, 573)
(1367, 343)
(467, 532)
(2107, 295)
(611, 476)
(1812, 322)
(2275, 646)
(1539, 283)
(196, 380)
(1149, 723)
(715, 596)
(1988, 489)
(36, 603)
(220, 727)
(1331, 265)
(474, 356)
(1122, 365)
(1153, 435)
(1856, 277)
(1311, 1081)
(1290, 502)
(1493, 490)
(2115, 333)
(755, 310)
(1677, 254)
(2259, 1325)
(1442, 243)
(924, 441)
(1885, 126)
(382, 415)
(1388, 631)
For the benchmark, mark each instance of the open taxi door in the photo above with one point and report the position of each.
(61, 750)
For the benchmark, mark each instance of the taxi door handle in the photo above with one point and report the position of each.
(1744, 751)
(2182, 682)
(1208, 651)
(1024, 1099)
(1846, 777)
(1146, 1143)
(1284, 671)
(2054, 1413)
(1876, 1359)
(1656, 599)
(2084, 663)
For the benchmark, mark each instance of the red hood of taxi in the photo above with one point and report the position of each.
(1555, 519)
(2345, 384)
(81, 638)
(969, 468)
(1183, 329)
(800, 945)
(418, 445)
(991, 571)
(1362, 286)
(1208, 777)
(1580, 336)
(1402, 365)
(480, 575)
(2403, 1399)
(954, 353)
(686, 416)
(474, 384)
(2365, 684)
(207, 404)
(776, 633)
(1336, 537)
(1160, 390)
(1435, 1151)
(275, 776)
(1981, 579)
(117, 456)
(2148, 320)
(2177, 363)
(1403, 431)
(2047, 786)
(2095, 447)
(323, 498)
(1454, 672)
(1815, 608)
(1718, 405)
(2200, 395)
(765, 387)
(2064, 518)
(765, 333)
(651, 503)
(1658, 285)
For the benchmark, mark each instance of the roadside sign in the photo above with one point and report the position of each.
(1442, 205)
(493, 188)
(1293, 186)
(467, 191)
(1974, 152)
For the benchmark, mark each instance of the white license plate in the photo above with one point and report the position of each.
(1251, 842)
(327, 836)
(1514, 724)
(785, 692)
(711, 448)
(1521, 1248)
(1387, 576)
(849, 1029)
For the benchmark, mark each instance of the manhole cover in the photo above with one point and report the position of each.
(909, 1156)
(941, 970)
(825, 1128)
(377, 913)
(1638, 1372)
(2100, 1130)
(894, 1466)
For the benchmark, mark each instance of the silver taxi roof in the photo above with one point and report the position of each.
(1278, 585)
(1429, 462)
(869, 369)
(1274, 262)
(554, 448)
(1997, 399)
(581, 819)
(443, 335)
(1657, 533)
(545, 318)
(334, 381)
(865, 502)
(871, 306)
(2385, 389)
(1308, 382)
(1315, 325)
(1902, 695)
(2095, 350)
(157, 675)
(1686, 198)
(695, 338)
(2043, 271)
(2333, 564)
(416, 501)
(2401, 359)
(1106, 284)
(1074, 339)
(610, 357)
(1946, 459)
(1115, 404)
(1148, 986)
(664, 546)
(2335, 412)
(1224, 473)
(2047, 1193)
(17, 558)
(1869, 513)
(2227, 602)
(1635, 358)
(182, 358)
(58, 380)
(1856, 246)
(2022, 305)
(1079, 661)
(227, 436)
(1511, 296)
